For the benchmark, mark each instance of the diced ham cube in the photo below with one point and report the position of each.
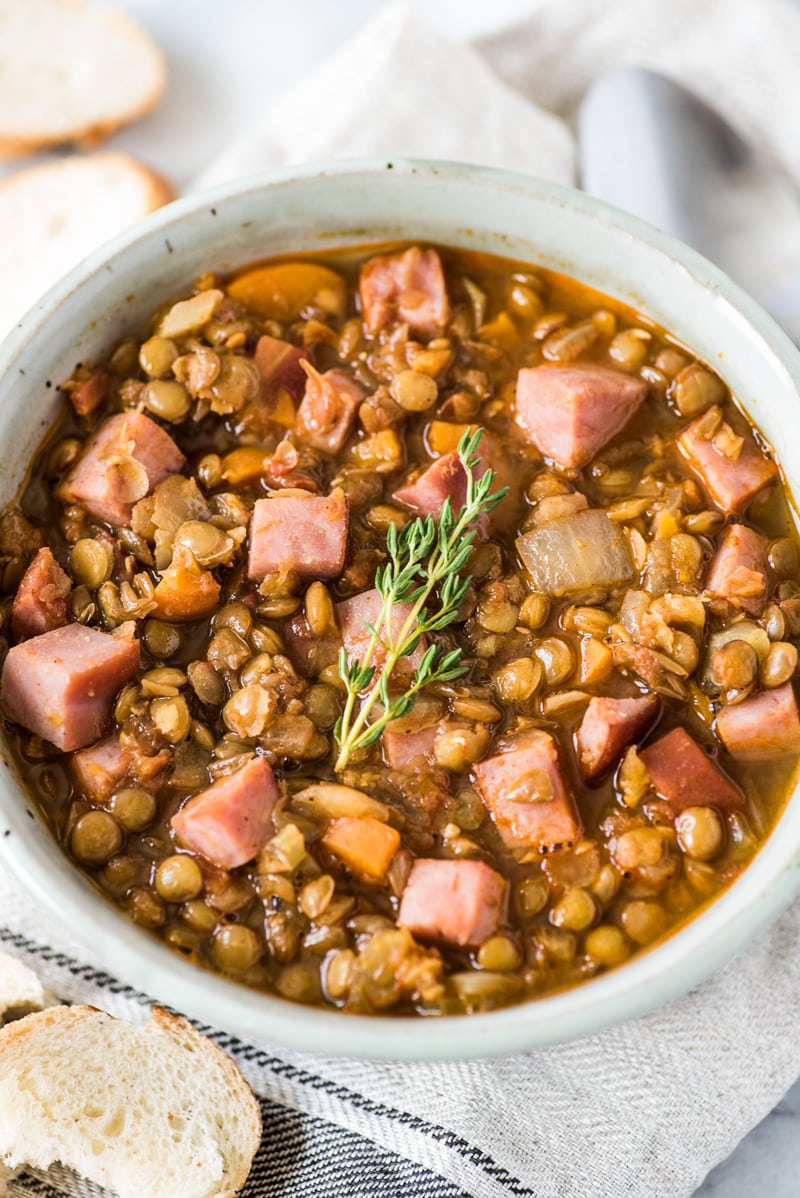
(571, 412)
(404, 746)
(99, 479)
(61, 685)
(307, 535)
(279, 364)
(608, 727)
(444, 479)
(328, 410)
(730, 482)
(458, 902)
(310, 653)
(42, 599)
(763, 726)
(364, 844)
(355, 614)
(88, 394)
(230, 822)
(408, 287)
(739, 571)
(524, 792)
(685, 776)
(99, 770)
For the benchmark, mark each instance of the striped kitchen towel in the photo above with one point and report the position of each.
(641, 1111)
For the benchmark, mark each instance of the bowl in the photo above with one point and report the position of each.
(320, 207)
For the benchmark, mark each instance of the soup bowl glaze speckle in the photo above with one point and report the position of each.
(113, 293)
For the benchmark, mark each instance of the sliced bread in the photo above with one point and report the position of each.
(153, 1109)
(71, 71)
(53, 215)
(20, 990)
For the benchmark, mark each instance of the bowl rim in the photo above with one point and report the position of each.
(651, 979)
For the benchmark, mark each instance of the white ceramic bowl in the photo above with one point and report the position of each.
(113, 292)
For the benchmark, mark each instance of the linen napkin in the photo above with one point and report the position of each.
(646, 1109)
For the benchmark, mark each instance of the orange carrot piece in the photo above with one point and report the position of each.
(364, 844)
(186, 592)
(442, 436)
(282, 291)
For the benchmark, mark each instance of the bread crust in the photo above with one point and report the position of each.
(158, 190)
(94, 133)
(185, 1038)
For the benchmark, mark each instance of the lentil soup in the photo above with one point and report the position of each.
(403, 629)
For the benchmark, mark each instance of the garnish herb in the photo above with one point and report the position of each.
(425, 563)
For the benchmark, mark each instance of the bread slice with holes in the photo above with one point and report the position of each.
(57, 213)
(154, 1109)
(20, 990)
(72, 71)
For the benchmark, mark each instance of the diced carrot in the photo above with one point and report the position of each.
(186, 592)
(382, 451)
(597, 662)
(442, 437)
(283, 409)
(244, 464)
(282, 291)
(501, 332)
(363, 844)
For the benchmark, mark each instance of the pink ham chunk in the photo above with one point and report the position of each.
(608, 727)
(408, 287)
(355, 614)
(307, 535)
(61, 685)
(739, 571)
(42, 599)
(100, 479)
(280, 366)
(88, 394)
(446, 478)
(231, 821)
(310, 652)
(524, 792)
(571, 412)
(458, 902)
(404, 746)
(100, 770)
(685, 776)
(731, 482)
(328, 410)
(764, 726)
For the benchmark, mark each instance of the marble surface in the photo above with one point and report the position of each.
(224, 70)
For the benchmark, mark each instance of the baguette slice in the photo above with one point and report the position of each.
(53, 215)
(20, 990)
(72, 71)
(153, 1109)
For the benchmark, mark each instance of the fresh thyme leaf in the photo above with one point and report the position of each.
(423, 573)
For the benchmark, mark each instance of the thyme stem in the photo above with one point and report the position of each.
(426, 557)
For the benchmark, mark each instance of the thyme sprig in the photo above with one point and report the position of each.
(425, 561)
